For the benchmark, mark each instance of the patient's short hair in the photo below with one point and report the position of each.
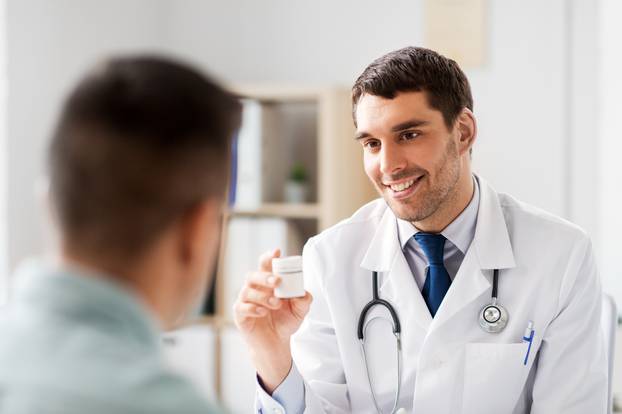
(140, 141)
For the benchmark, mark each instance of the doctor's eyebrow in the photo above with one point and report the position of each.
(360, 135)
(402, 126)
(412, 123)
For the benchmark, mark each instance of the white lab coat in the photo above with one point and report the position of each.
(449, 364)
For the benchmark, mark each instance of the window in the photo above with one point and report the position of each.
(3, 151)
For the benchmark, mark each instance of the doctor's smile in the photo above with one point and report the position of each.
(404, 189)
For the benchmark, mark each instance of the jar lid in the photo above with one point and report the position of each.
(287, 264)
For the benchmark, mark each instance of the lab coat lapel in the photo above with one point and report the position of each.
(490, 249)
(397, 283)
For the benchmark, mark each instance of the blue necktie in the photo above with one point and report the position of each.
(437, 281)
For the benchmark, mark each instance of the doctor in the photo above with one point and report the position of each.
(430, 249)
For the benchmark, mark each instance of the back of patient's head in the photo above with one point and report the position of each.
(139, 142)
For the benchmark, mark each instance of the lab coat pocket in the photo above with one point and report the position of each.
(494, 376)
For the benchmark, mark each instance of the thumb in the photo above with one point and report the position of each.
(265, 260)
(300, 306)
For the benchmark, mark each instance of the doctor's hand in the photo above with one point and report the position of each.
(268, 322)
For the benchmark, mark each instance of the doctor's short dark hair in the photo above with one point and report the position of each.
(140, 140)
(415, 69)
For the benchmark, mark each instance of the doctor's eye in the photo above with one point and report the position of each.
(371, 144)
(409, 135)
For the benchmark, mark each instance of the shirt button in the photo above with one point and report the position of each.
(278, 411)
(400, 411)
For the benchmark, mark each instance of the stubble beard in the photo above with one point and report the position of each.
(424, 204)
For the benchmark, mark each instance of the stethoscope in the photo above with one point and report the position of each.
(492, 319)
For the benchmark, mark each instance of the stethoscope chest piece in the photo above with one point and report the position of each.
(493, 318)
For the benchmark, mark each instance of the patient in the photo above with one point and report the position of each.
(138, 167)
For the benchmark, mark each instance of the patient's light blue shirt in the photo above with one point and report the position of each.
(76, 344)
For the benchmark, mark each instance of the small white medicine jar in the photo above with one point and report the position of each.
(289, 269)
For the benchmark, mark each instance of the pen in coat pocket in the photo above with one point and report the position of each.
(528, 338)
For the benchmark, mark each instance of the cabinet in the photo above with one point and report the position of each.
(315, 129)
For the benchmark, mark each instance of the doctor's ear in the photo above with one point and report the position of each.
(466, 126)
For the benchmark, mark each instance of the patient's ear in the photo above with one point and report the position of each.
(200, 231)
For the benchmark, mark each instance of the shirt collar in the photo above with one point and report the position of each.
(459, 232)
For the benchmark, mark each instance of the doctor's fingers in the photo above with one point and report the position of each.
(265, 260)
(248, 310)
(261, 297)
(262, 280)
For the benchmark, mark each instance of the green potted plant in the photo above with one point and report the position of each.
(297, 185)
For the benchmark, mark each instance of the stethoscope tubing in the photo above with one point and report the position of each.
(397, 329)
(376, 301)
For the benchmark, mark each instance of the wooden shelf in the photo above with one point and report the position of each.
(279, 93)
(282, 210)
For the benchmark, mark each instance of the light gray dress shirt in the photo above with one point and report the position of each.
(459, 234)
(289, 395)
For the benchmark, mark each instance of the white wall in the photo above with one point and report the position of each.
(50, 44)
(318, 42)
(519, 102)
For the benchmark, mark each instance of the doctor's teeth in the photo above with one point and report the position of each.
(402, 186)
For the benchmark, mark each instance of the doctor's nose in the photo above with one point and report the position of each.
(392, 161)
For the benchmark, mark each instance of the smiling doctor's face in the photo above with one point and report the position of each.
(412, 158)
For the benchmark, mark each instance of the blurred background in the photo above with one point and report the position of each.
(546, 85)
